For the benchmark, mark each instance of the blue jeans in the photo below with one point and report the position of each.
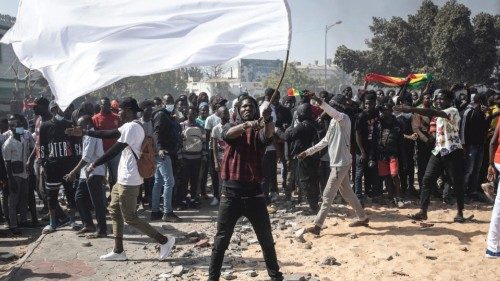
(373, 185)
(164, 177)
(473, 162)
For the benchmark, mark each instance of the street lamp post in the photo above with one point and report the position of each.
(328, 27)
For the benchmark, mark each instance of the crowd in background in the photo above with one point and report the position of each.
(401, 151)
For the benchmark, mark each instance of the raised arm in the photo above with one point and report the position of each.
(422, 111)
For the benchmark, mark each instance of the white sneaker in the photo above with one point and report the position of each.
(214, 202)
(48, 229)
(166, 249)
(401, 204)
(112, 256)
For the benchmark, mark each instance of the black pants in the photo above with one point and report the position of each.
(291, 178)
(53, 194)
(408, 175)
(230, 210)
(423, 155)
(190, 176)
(90, 192)
(453, 164)
(308, 181)
(31, 197)
(270, 172)
(214, 174)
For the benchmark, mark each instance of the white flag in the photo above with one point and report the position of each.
(81, 46)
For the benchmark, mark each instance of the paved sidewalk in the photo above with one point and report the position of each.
(64, 255)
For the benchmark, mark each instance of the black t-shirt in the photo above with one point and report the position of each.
(60, 153)
(366, 125)
(389, 139)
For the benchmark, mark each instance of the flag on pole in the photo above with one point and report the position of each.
(414, 80)
(82, 46)
(292, 92)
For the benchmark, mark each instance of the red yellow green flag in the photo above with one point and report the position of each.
(414, 80)
(292, 92)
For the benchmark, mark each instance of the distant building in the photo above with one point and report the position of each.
(254, 70)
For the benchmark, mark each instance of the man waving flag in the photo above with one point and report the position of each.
(81, 46)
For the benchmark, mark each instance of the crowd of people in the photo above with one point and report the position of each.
(377, 140)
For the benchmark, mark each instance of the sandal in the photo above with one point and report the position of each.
(418, 216)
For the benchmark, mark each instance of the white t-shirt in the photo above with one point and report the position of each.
(133, 135)
(447, 133)
(212, 121)
(91, 151)
(17, 151)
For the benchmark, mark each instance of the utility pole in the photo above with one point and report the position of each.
(328, 27)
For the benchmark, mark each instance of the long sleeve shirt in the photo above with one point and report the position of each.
(337, 138)
(474, 127)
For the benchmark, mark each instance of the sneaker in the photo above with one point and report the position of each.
(75, 226)
(400, 203)
(271, 209)
(489, 190)
(155, 216)
(112, 256)
(171, 217)
(166, 249)
(313, 229)
(357, 223)
(492, 255)
(48, 229)
(214, 202)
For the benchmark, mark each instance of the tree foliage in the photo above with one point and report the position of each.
(441, 40)
(147, 87)
(294, 77)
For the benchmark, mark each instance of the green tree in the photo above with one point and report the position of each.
(442, 41)
(294, 77)
(453, 44)
(147, 87)
(485, 42)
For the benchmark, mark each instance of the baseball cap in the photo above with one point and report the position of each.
(130, 103)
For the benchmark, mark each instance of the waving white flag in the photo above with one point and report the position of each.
(81, 46)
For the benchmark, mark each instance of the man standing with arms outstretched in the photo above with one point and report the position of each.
(124, 194)
(338, 140)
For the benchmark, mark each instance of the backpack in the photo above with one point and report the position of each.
(192, 140)
(146, 164)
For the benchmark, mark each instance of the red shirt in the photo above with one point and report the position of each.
(108, 121)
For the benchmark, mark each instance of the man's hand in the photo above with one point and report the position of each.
(74, 131)
(266, 113)
(89, 169)
(70, 177)
(302, 155)
(162, 153)
(217, 166)
(492, 173)
(402, 108)
(313, 96)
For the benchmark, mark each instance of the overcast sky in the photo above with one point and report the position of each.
(309, 18)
